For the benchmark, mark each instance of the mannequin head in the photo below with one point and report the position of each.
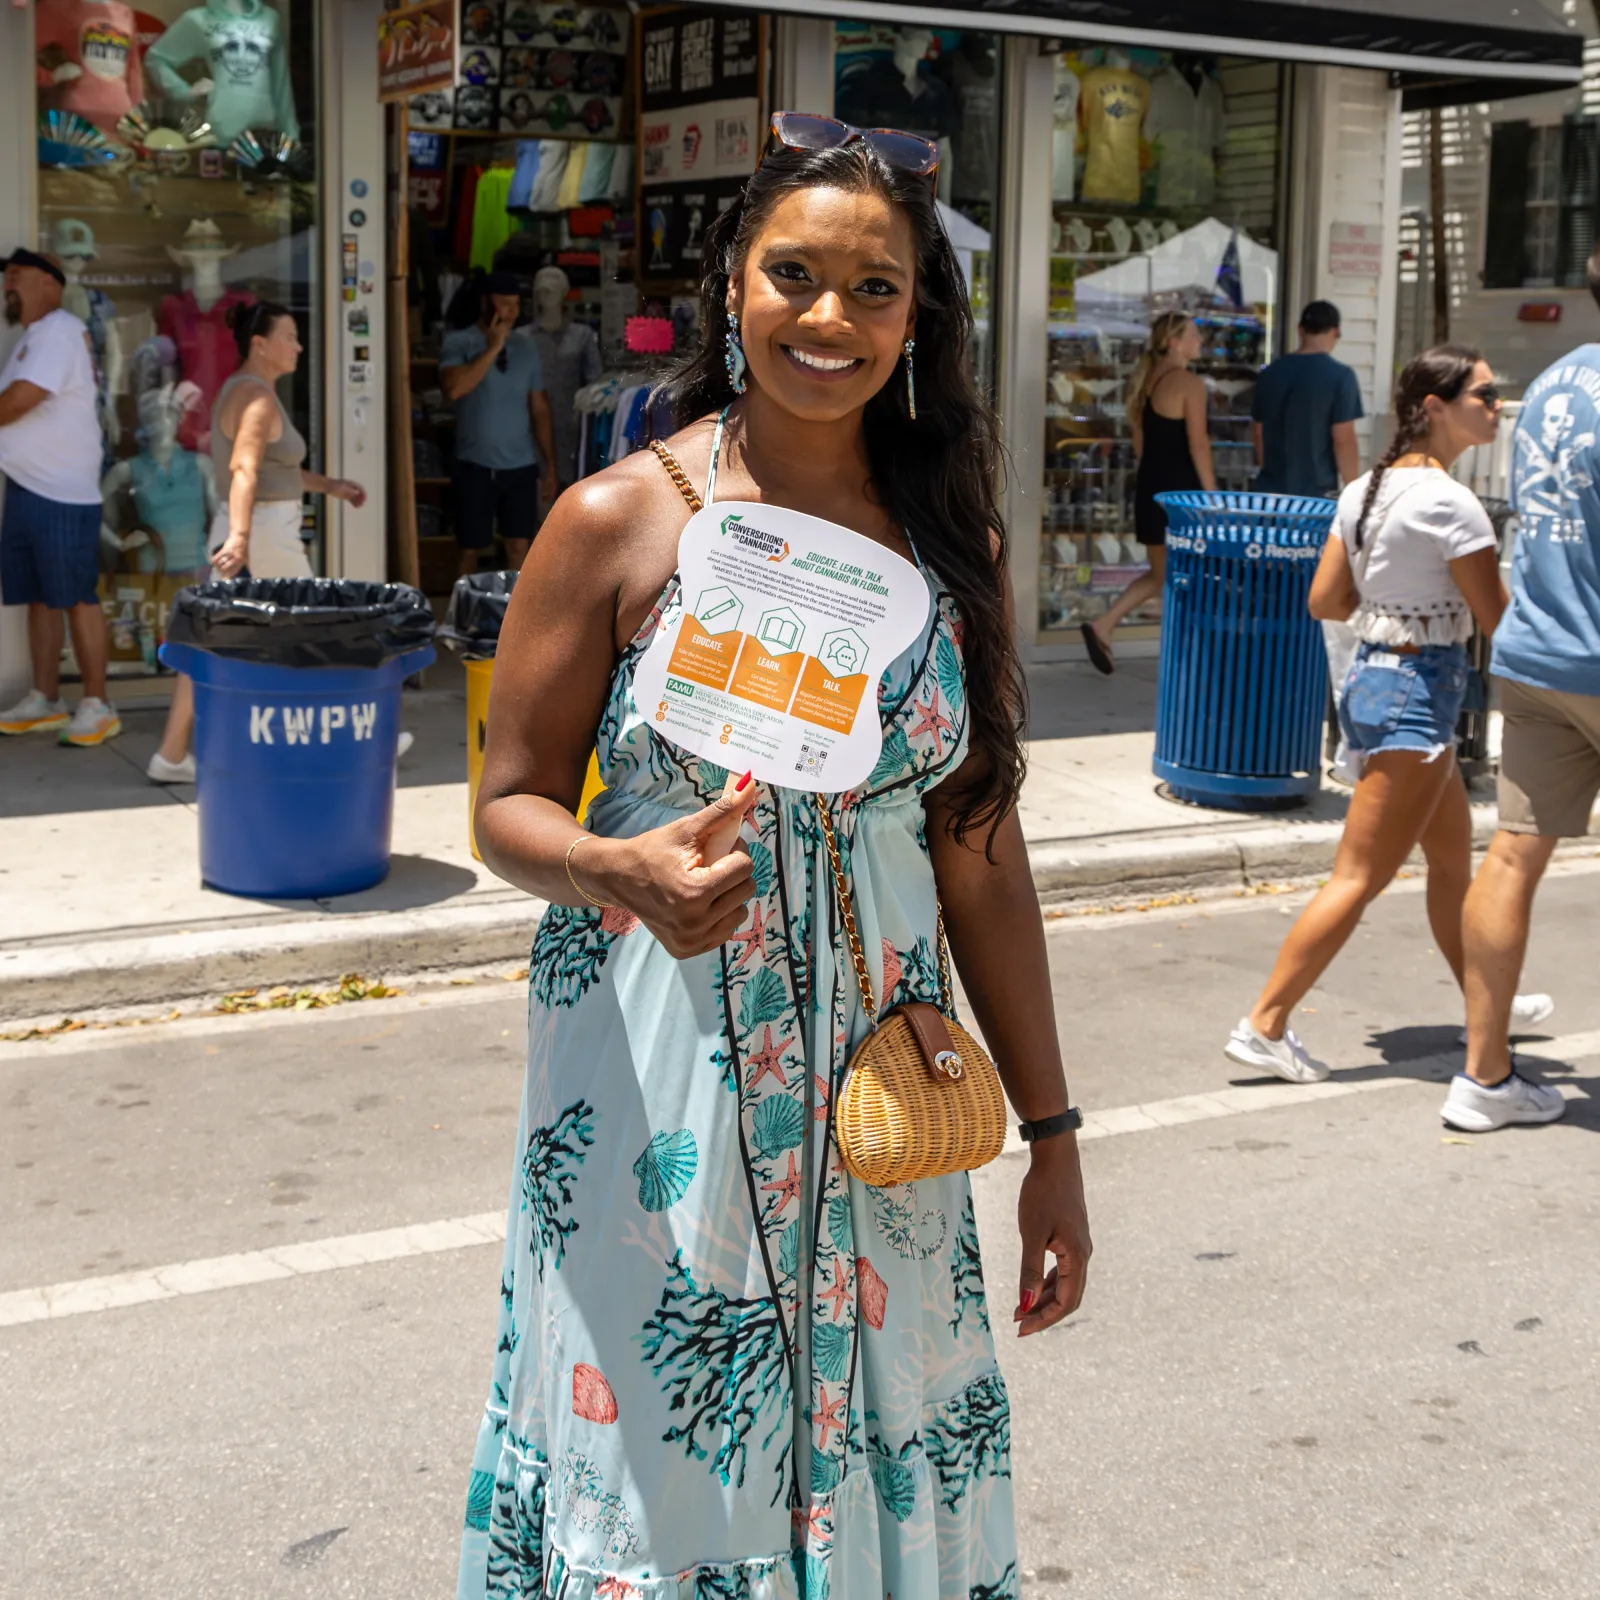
(551, 287)
(160, 412)
(912, 46)
(202, 253)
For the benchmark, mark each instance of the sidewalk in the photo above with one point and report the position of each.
(102, 904)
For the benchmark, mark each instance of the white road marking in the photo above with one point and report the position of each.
(110, 1293)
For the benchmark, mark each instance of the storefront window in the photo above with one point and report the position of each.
(945, 84)
(1164, 198)
(177, 180)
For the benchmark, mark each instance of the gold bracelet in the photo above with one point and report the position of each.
(604, 905)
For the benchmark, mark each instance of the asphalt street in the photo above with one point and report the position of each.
(1328, 1350)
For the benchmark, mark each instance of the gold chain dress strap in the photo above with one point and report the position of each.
(679, 477)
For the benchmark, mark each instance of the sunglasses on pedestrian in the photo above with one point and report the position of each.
(1488, 394)
(907, 152)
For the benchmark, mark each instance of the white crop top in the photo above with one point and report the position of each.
(1421, 521)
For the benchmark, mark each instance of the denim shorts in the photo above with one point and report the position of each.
(1403, 702)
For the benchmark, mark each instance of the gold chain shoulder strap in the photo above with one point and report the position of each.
(679, 477)
(853, 934)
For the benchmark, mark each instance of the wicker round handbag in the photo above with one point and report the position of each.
(920, 1097)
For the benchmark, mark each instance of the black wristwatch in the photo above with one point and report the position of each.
(1048, 1127)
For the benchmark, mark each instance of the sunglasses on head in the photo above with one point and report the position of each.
(907, 152)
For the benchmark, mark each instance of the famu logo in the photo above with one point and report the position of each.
(104, 49)
(770, 546)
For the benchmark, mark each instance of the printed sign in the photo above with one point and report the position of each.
(417, 49)
(787, 625)
(700, 130)
(1355, 250)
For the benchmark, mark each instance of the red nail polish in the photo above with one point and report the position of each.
(1028, 1298)
(742, 784)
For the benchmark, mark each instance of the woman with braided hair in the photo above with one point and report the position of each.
(1411, 561)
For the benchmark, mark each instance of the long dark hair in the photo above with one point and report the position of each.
(937, 476)
(1443, 371)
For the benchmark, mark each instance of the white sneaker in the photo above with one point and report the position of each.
(34, 714)
(92, 723)
(404, 743)
(1527, 1011)
(1471, 1108)
(1286, 1058)
(161, 770)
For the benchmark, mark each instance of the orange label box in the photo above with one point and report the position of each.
(765, 678)
(702, 657)
(828, 702)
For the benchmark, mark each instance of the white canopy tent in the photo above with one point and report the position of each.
(1184, 268)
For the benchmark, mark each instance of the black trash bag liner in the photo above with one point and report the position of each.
(302, 622)
(471, 626)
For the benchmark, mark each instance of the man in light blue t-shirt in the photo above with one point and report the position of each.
(505, 455)
(1547, 663)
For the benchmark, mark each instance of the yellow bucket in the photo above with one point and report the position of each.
(479, 675)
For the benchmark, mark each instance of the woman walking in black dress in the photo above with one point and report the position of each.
(1167, 415)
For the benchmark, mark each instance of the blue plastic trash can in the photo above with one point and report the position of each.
(294, 765)
(1243, 686)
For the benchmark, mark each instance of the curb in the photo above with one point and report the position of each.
(153, 968)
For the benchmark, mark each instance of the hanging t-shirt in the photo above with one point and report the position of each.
(523, 175)
(207, 355)
(1185, 124)
(569, 358)
(100, 40)
(240, 45)
(553, 154)
(1113, 103)
(1064, 134)
(492, 224)
(54, 449)
(572, 178)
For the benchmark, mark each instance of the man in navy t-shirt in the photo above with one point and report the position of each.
(1547, 666)
(1305, 411)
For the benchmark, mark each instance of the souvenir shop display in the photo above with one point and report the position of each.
(174, 186)
(1144, 221)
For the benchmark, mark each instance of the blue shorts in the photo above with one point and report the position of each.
(1403, 702)
(49, 551)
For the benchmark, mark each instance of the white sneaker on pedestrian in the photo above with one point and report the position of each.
(1471, 1108)
(161, 770)
(1285, 1058)
(34, 714)
(404, 743)
(1527, 1011)
(92, 723)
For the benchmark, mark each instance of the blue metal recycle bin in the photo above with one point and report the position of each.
(297, 718)
(1243, 687)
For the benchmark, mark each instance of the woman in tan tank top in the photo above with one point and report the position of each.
(258, 454)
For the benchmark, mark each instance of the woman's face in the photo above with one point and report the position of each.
(1473, 417)
(826, 300)
(279, 349)
(1186, 344)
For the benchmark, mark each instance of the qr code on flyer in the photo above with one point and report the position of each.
(811, 761)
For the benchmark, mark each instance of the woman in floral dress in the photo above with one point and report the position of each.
(725, 1367)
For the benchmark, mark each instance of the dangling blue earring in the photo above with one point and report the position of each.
(911, 380)
(733, 356)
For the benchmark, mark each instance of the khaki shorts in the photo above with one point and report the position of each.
(1549, 760)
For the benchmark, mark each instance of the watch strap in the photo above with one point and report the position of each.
(1048, 1127)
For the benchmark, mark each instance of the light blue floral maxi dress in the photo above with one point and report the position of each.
(725, 1367)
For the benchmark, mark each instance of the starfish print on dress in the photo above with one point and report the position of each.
(822, 1099)
(769, 1058)
(934, 721)
(752, 938)
(828, 1414)
(786, 1188)
(839, 1292)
